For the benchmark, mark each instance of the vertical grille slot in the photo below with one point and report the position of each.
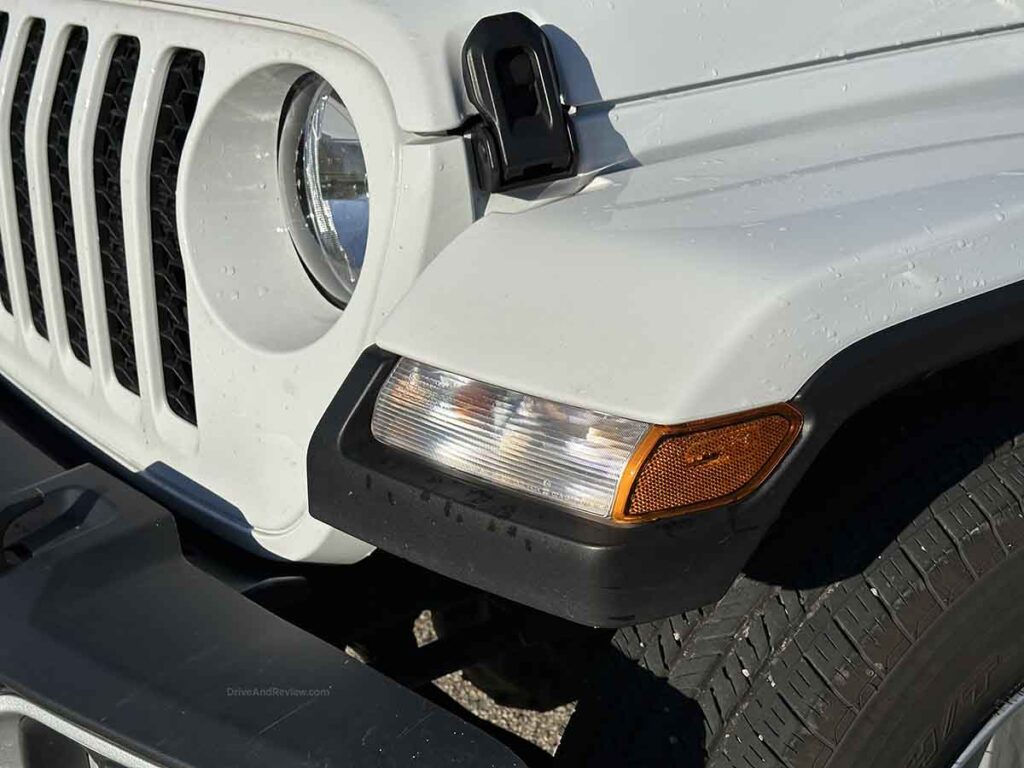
(177, 108)
(110, 125)
(136, 117)
(58, 150)
(19, 162)
(5, 288)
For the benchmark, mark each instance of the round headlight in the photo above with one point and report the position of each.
(322, 162)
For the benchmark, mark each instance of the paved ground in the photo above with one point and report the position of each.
(541, 728)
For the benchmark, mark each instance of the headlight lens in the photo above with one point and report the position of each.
(331, 188)
(569, 456)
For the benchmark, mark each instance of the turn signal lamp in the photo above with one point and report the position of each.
(582, 460)
(704, 464)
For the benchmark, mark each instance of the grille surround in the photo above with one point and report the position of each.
(58, 240)
(256, 404)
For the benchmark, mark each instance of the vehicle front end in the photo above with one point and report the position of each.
(547, 303)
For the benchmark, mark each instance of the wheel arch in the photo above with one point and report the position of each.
(878, 387)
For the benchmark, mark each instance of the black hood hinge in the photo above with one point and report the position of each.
(523, 135)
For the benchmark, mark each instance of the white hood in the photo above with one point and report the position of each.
(608, 50)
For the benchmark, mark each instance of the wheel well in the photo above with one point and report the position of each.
(852, 502)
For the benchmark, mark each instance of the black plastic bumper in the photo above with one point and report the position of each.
(106, 625)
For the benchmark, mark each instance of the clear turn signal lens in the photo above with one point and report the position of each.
(565, 455)
(601, 465)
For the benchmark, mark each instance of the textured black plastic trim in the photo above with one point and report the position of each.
(107, 625)
(19, 166)
(177, 108)
(5, 286)
(582, 569)
(58, 146)
(106, 173)
(512, 80)
(588, 571)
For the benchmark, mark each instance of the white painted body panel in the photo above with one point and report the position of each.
(772, 224)
(617, 49)
(269, 352)
(768, 222)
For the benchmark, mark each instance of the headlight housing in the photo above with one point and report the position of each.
(325, 184)
(585, 461)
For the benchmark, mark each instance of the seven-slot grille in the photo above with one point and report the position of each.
(178, 100)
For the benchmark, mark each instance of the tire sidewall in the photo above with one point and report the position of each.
(949, 683)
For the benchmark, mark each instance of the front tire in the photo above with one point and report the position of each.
(880, 626)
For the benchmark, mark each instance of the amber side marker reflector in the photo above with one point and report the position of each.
(676, 470)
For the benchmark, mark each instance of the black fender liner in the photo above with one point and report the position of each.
(589, 571)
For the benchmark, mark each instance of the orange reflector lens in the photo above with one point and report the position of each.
(683, 469)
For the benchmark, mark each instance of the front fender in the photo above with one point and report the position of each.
(790, 242)
(723, 280)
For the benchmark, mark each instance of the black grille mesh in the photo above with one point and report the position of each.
(177, 108)
(19, 163)
(58, 150)
(5, 288)
(110, 124)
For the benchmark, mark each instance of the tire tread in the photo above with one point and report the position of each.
(781, 674)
